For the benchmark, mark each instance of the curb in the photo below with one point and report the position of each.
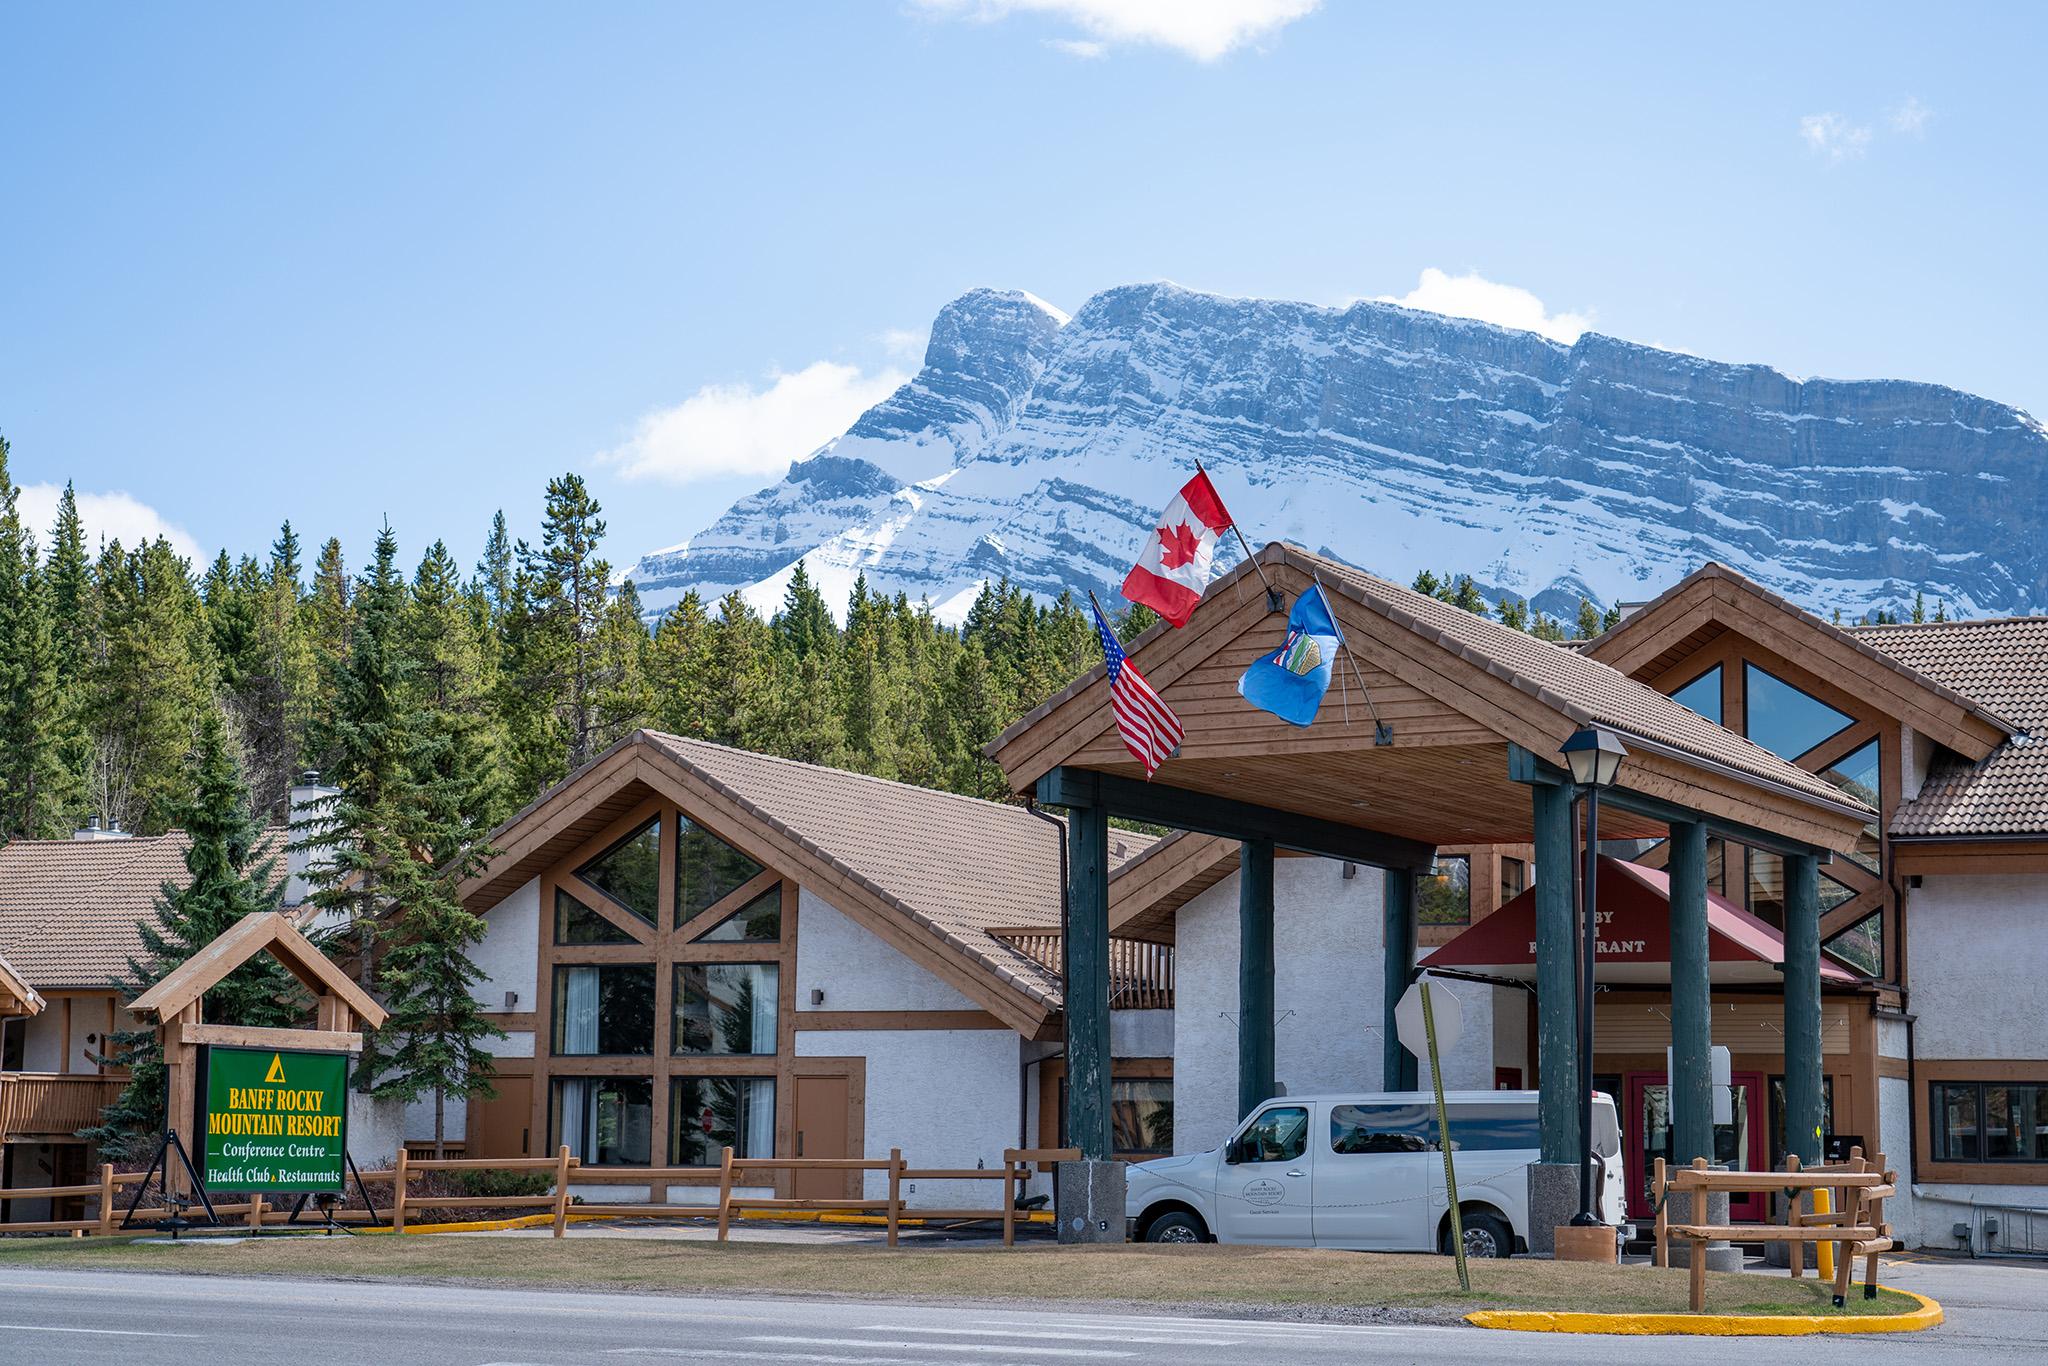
(762, 1216)
(1713, 1325)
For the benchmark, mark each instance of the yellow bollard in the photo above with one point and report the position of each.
(1824, 1253)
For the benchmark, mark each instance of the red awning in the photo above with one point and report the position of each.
(1634, 943)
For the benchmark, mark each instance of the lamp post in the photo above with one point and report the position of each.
(1594, 756)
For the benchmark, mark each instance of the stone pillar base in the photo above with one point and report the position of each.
(1553, 1200)
(1585, 1243)
(1720, 1256)
(1091, 1202)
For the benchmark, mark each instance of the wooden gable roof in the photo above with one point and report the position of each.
(17, 997)
(1715, 599)
(1457, 690)
(269, 932)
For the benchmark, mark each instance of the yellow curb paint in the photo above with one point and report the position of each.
(708, 1212)
(1712, 1325)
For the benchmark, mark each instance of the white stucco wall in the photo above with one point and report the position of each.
(509, 956)
(375, 1129)
(856, 970)
(42, 1045)
(1511, 1032)
(1327, 969)
(1141, 1033)
(946, 1097)
(1970, 1003)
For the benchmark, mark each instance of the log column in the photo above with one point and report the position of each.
(1086, 945)
(1397, 1066)
(1254, 974)
(1691, 1088)
(1803, 1116)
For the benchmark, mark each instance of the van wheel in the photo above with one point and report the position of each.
(1177, 1227)
(1485, 1236)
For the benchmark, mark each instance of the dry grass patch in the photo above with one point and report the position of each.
(1207, 1275)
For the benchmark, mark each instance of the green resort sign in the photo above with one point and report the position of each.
(276, 1119)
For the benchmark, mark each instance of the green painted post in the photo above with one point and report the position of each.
(1397, 1064)
(1254, 974)
(1691, 1082)
(1087, 987)
(1803, 1116)
(1557, 1026)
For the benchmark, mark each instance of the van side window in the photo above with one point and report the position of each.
(1379, 1128)
(1278, 1135)
(1492, 1128)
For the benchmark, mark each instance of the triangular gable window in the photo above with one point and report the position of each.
(1858, 775)
(708, 870)
(1703, 695)
(576, 923)
(1784, 720)
(630, 872)
(1861, 946)
(757, 922)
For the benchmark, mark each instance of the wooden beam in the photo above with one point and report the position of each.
(1524, 767)
(252, 935)
(257, 1036)
(1158, 803)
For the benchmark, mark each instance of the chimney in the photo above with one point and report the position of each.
(308, 795)
(93, 830)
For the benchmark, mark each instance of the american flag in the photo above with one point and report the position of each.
(1150, 730)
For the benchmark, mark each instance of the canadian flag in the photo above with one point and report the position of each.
(1180, 558)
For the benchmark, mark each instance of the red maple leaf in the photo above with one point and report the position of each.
(1177, 545)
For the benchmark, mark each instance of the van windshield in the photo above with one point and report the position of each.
(1606, 1129)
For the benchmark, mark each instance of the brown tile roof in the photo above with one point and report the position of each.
(2001, 663)
(69, 908)
(978, 866)
(1584, 689)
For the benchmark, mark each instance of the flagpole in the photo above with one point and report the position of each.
(1382, 733)
(1273, 598)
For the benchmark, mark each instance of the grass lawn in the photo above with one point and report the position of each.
(1301, 1280)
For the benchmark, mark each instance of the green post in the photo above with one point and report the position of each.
(1397, 1067)
(1803, 1116)
(1556, 978)
(1087, 986)
(1691, 1080)
(1254, 974)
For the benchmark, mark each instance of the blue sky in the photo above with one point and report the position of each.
(340, 263)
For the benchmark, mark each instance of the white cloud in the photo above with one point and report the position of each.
(733, 429)
(1472, 295)
(112, 516)
(1834, 137)
(1087, 49)
(1911, 117)
(904, 345)
(1202, 29)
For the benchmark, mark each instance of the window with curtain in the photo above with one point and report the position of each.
(757, 922)
(606, 1121)
(725, 1008)
(707, 870)
(1514, 878)
(576, 923)
(1444, 894)
(630, 871)
(1702, 695)
(1141, 1114)
(707, 1114)
(603, 1009)
(1785, 720)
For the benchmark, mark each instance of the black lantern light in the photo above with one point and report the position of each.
(1594, 755)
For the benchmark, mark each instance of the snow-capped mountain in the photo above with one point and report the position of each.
(1040, 447)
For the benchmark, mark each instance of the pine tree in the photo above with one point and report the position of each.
(1588, 624)
(152, 685)
(567, 598)
(1919, 607)
(451, 684)
(1515, 612)
(497, 571)
(326, 617)
(1427, 584)
(232, 875)
(1464, 593)
(804, 625)
(36, 796)
(678, 669)
(76, 644)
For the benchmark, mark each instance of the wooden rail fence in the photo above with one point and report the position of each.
(562, 1165)
(1856, 1224)
(1018, 1165)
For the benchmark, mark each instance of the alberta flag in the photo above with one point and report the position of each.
(1291, 681)
(1179, 559)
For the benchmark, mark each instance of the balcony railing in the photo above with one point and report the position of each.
(1140, 972)
(51, 1104)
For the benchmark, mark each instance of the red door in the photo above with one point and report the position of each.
(1740, 1144)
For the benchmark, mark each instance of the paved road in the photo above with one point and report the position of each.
(1996, 1313)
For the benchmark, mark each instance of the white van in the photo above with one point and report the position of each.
(1364, 1171)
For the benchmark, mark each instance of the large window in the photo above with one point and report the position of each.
(1141, 1114)
(1703, 695)
(1445, 893)
(1989, 1121)
(1861, 946)
(630, 871)
(757, 922)
(1777, 1117)
(706, 1114)
(606, 1121)
(707, 871)
(1784, 720)
(1858, 774)
(725, 1007)
(1514, 878)
(576, 923)
(604, 1009)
